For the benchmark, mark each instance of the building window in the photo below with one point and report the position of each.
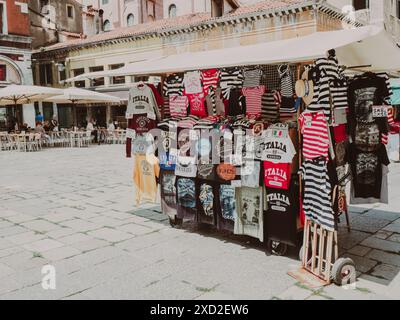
(78, 72)
(398, 9)
(3, 18)
(104, 2)
(130, 20)
(3, 72)
(217, 8)
(120, 79)
(46, 74)
(360, 4)
(70, 11)
(98, 81)
(62, 75)
(107, 25)
(172, 11)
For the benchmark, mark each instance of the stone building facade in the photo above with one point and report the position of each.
(262, 22)
(15, 58)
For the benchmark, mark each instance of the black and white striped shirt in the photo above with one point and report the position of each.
(173, 85)
(339, 93)
(317, 203)
(252, 77)
(230, 78)
(270, 103)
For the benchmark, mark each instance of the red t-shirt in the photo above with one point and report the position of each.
(277, 175)
(197, 105)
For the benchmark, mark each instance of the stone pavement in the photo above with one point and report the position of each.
(72, 209)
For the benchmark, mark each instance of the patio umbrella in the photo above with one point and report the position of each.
(81, 96)
(76, 96)
(20, 94)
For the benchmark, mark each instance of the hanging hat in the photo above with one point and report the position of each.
(305, 88)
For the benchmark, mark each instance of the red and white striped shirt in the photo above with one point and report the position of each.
(314, 127)
(385, 136)
(178, 106)
(210, 80)
(253, 99)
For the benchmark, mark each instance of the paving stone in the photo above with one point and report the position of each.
(394, 237)
(393, 227)
(40, 225)
(5, 271)
(385, 271)
(110, 235)
(388, 258)
(375, 279)
(27, 237)
(348, 240)
(380, 244)
(359, 251)
(20, 218)
(367, 224)
(60, 233)
(362, 264)
(382, 234)
(382, 214)
(43, 245)
(135, 229)
(89, 245)
(61, 253)
(10, 231)
(81, 225)
(5, 224)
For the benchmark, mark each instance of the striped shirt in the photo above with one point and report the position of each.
(314, 128)
(385, 136)
(252, 77)
(286, 81)
(339, 93)
(178, 106)
(330, 66)
(270, 103)
(230, 78)
(173, 85)
(253, 99)
(385, 76)
(210, 79)
(317, 203)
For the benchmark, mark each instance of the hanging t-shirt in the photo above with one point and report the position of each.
(206, 211)
(142, 101)
(278, 146)
(363, 93)
(249, 219)
(197, 104)
(252, 77)
(314, 127)
(145, 172)
(367, 171)
(250, 174)
(270, 104)
(206, 172)
(210, 80)
(178, 106)
(237, 103)
(167, 161)
(173, 85)
(192, 82)
(230, 78)
(317, 201)
(186, 167)
(227, 203)
(277, 175)
(282, 214)
(168, 193)
(139, 124)
(186, 195)
(253, 99)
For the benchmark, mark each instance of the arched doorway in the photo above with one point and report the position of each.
(9, 74)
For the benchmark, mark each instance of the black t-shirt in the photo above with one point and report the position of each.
(206, 197)
(186, 198)
(168, 192)
(366, 168)
(280, 223)
(363, 93)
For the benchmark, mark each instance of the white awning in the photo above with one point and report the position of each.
(291, 50)
(376, 53)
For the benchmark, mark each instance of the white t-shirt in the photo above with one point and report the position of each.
(192, 82)
(278, 147)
